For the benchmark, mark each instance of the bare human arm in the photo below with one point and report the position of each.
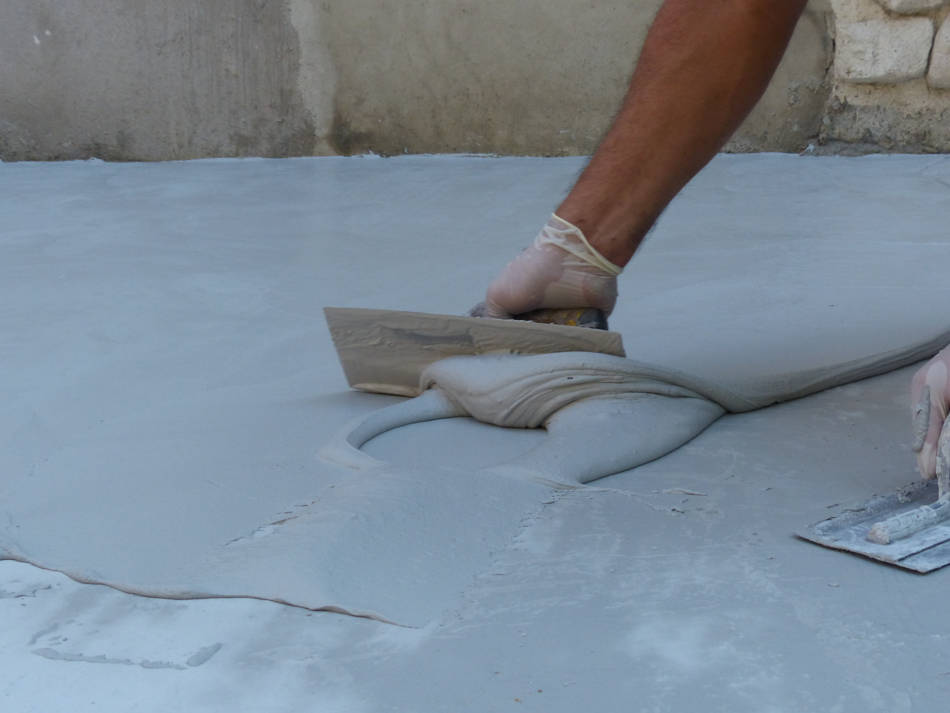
(704, 65)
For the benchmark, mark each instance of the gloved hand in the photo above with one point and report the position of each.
(930, 398)
(559, 270)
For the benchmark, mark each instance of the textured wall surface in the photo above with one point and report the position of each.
(184, 79)
(533, 77)
(891, 77)
(788, 117)
(150, 80)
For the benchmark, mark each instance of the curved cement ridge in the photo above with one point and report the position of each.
(524, 390)
(604, 414)
(786, 387)
(588, 439)
(344, 447)
(604, 435)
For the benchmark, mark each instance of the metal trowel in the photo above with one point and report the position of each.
(385, 351)
(909, 528)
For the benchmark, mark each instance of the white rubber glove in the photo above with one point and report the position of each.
(560, 270)
(930, 397)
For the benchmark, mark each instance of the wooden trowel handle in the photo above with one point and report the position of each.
(586, 317)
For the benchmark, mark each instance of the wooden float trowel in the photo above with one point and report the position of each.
(385, 351)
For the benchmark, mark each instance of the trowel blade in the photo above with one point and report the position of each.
(385, 351)
(922, 552)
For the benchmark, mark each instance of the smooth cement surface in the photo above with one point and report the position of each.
(170, 394)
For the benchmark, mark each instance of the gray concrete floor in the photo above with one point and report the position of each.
(677, 586)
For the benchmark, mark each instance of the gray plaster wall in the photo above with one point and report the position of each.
(140, 80)
(533, 77)
(137, 79)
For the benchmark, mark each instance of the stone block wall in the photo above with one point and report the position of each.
(890, 78)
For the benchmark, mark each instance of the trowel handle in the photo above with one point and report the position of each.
(585, 317)
(908, 523)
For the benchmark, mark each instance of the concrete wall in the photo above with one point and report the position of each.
(125, 79)
(532, 77)
(133, 79)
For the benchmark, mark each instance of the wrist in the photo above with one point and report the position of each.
(570, 238)
(611, 232)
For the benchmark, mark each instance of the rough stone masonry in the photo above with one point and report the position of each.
(891, 73)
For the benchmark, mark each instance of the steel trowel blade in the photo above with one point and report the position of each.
(923, 551)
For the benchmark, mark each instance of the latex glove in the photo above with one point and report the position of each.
(560, 270)
(930, 397)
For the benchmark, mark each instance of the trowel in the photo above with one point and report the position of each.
(909, 528)
(385, 351)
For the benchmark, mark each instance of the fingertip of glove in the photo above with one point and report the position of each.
(478, 310)
(483, 309)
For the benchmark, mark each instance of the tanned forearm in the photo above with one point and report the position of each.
(704, 65)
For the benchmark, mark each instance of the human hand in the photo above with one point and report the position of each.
(930, 398)
(560, 270)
